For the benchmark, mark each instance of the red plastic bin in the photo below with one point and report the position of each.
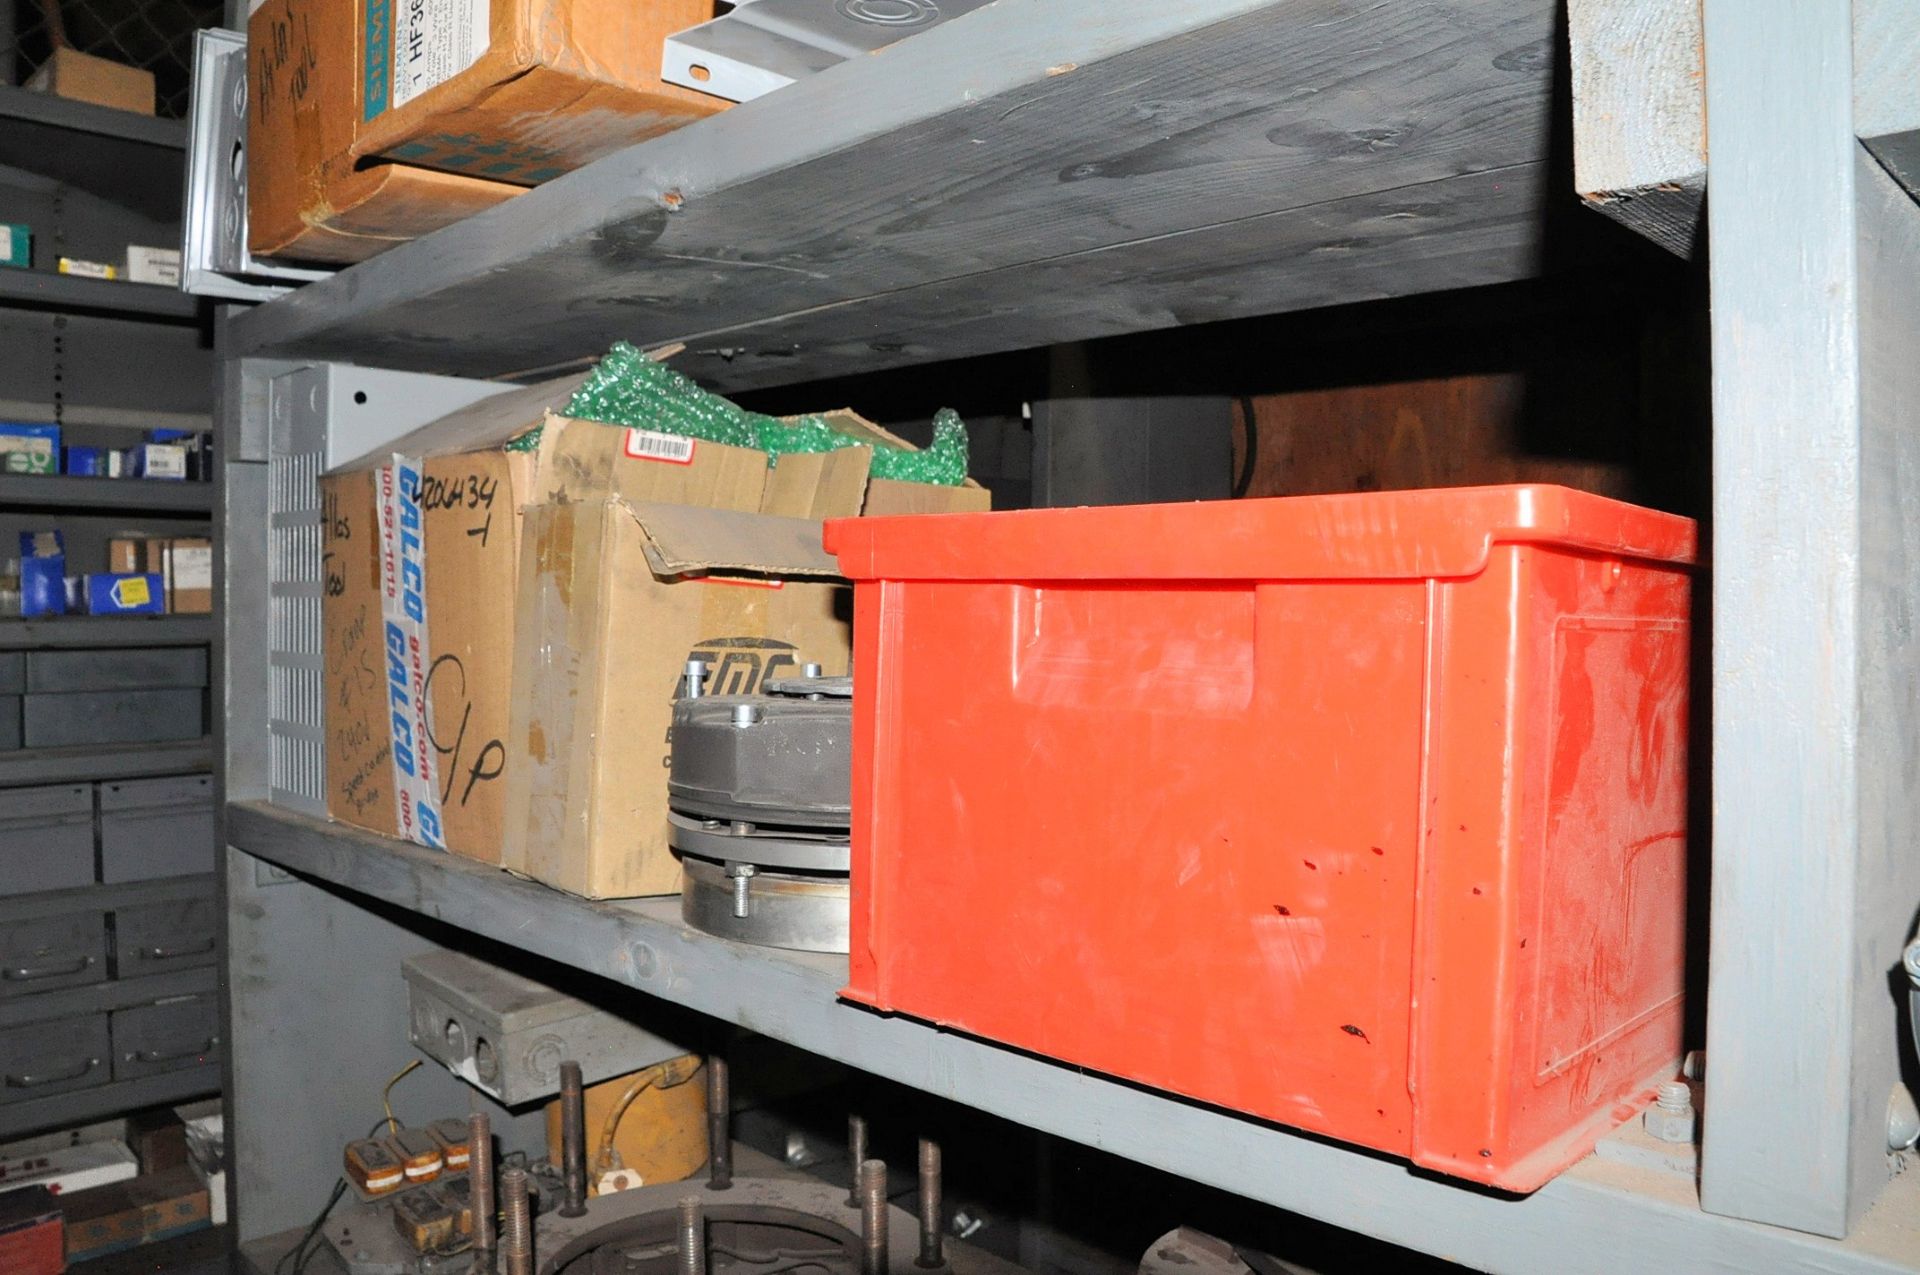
(1365, 814)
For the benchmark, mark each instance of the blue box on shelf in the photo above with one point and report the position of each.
(43, 574)
(86, 461)
(125, 593)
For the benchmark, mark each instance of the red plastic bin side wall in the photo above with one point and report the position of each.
(1174, 833)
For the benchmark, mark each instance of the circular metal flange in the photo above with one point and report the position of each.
(763, 759)
(804, 913)
(824, 852)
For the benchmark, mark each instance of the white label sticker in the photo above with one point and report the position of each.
(435, 40)
(403, 614)
(192, 568)
(6, 243)
(646, 444)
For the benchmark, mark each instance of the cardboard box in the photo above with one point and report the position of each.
(155, 1206)
(617, 593)
(32, 1233)
(488, 97)
(159, 266)
(29, 448)
(83, 77)
(158, 1139)
(116, 593)
(43, 574)
(74, 1168)
(125, 555)
(84, 269)
(16, 246)
(457, 689)
(186, 569)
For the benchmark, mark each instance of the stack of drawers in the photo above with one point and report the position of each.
(109, 934)
(116, 695)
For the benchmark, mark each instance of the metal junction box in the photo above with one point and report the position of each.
(507, 1035)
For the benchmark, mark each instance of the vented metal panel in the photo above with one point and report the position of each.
(296, 734)
(320, 418)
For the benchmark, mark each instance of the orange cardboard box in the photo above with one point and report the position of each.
(375, 121)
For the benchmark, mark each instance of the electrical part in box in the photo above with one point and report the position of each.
(753, 1224)
(759, 807)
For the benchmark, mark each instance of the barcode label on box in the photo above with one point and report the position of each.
(646, 444)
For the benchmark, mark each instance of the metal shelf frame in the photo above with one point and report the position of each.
(112, 495)
(984, 187)
(72, 632)
(1602, 1217)
(44, 289)
(81, 1106)
(104, 761)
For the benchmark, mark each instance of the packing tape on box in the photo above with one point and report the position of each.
(403, 614)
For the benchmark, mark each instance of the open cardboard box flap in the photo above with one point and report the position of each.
(683, 540)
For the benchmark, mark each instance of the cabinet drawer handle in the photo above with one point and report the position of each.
(28, 973)
(34, 1082)
(161, 1055)
(175, 953)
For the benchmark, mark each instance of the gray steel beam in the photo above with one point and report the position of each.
(1815, 262)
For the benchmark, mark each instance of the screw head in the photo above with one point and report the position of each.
(746, 714)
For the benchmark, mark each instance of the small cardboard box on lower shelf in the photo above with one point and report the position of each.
(124, 1215)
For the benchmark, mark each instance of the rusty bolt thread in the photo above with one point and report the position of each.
(516, 1231)
(719, 1125)
(931, 1256)
(873, 1217)
(480, 1178)
(573, 1140)
(856, 1156)
(693, 1238)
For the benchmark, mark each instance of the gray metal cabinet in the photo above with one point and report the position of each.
(157, 937)
(168, 1035)
(38, 1060)
(156, 828)
(43, 954)
(46, 838)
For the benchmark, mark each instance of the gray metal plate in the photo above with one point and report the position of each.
(792, 765)
(806, 853)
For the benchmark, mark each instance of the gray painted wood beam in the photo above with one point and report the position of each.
(1640, 107)
(1816, 580)
(924, 184)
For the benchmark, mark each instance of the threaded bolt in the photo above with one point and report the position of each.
(1674, 1095)
(719, 1125)
(856, 1156)
(873, 1217)
(693, 1238)
(480, 1178)
(931, 1256)
(573, 1140)
(742, 874)
(516, 1233)
(696, 679)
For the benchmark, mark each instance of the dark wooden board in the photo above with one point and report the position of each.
(1023, 135)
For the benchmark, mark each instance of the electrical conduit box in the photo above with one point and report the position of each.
(1364, 814)
(507, 1035)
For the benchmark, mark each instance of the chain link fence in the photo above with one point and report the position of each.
(155, 35)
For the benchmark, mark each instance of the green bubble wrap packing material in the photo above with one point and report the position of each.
(628, 388)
